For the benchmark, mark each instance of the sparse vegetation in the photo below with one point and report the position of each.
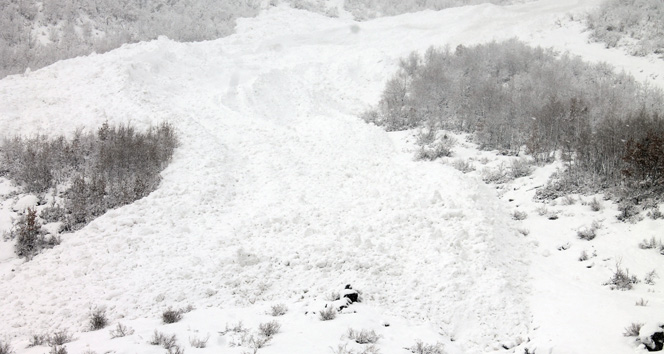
(634, 24)
(197, 342)
(164, 340)
(121, 331)
(269, 329)
(588, 233)
(362, 336)
(422, 348)
(278, 310)
(642, 302)
(650, 277)
(327, 314)
(6, 348)
(98, 319)
(464, 166)
(519, 215)
(621, 279)
(237, 328)
(59, 338)
(606, 127)
(111, 168)
(595, 205)
(171, 316)
(633, 330)
(584, 256)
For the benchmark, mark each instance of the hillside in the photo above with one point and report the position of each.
(279, 193)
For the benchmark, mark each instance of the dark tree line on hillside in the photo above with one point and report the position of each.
(607, 127)
(94, 172)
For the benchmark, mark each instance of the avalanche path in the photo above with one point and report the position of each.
(278, 189)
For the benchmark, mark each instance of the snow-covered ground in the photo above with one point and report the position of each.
(280, 194)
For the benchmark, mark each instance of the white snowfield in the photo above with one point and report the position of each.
(279, 193)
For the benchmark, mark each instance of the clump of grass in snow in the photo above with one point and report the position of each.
(98, 319)
(327, 314)
(171, 316)
(633, 330)
(421, 348)
(278, 310)
(363, 336)
(269, 329)
(121, 331)
(621, 280)
(199, 342)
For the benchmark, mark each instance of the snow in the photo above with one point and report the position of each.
(280, 194)
(26, 202)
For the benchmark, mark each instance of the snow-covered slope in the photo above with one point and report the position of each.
(279, 193)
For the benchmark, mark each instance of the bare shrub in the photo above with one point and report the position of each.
(343, 349)
(98, 319)
(463, 165)
(333, 296)
(495, 175)
(520, 168)
(642, 302)
(237, 328)
(171, 316)
(595, 205)
(586, 233)
(650, 277)
(327, 314)
(268, 329)
(628, 211)
(652, 243)
(568, 200)
(633, 330)
(363, 336)
(58, 349)
(6, 348)
(422, 348)
(199, 342)
(37, 340)
(59, 338)
(121, 331)
(278, 310)
(584, 256)
(519, 215)
(621, 280)
(161, 339)
(433, 147)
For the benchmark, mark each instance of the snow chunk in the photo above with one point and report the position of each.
(27, 202)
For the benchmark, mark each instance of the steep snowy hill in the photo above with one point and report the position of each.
(279, 193)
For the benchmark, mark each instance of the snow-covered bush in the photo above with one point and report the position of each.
(519, 215)
(327, 314)
(433, 146)
(510, 95)
(595, 205)
(197, 342)
(637, 25)
(367, 9)
(269, 329)
(111, 168)
(462, 165)
(71, 28)
(278, 310)
(621, 280)
(423, 348)
(362, 336)
(161, 339)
